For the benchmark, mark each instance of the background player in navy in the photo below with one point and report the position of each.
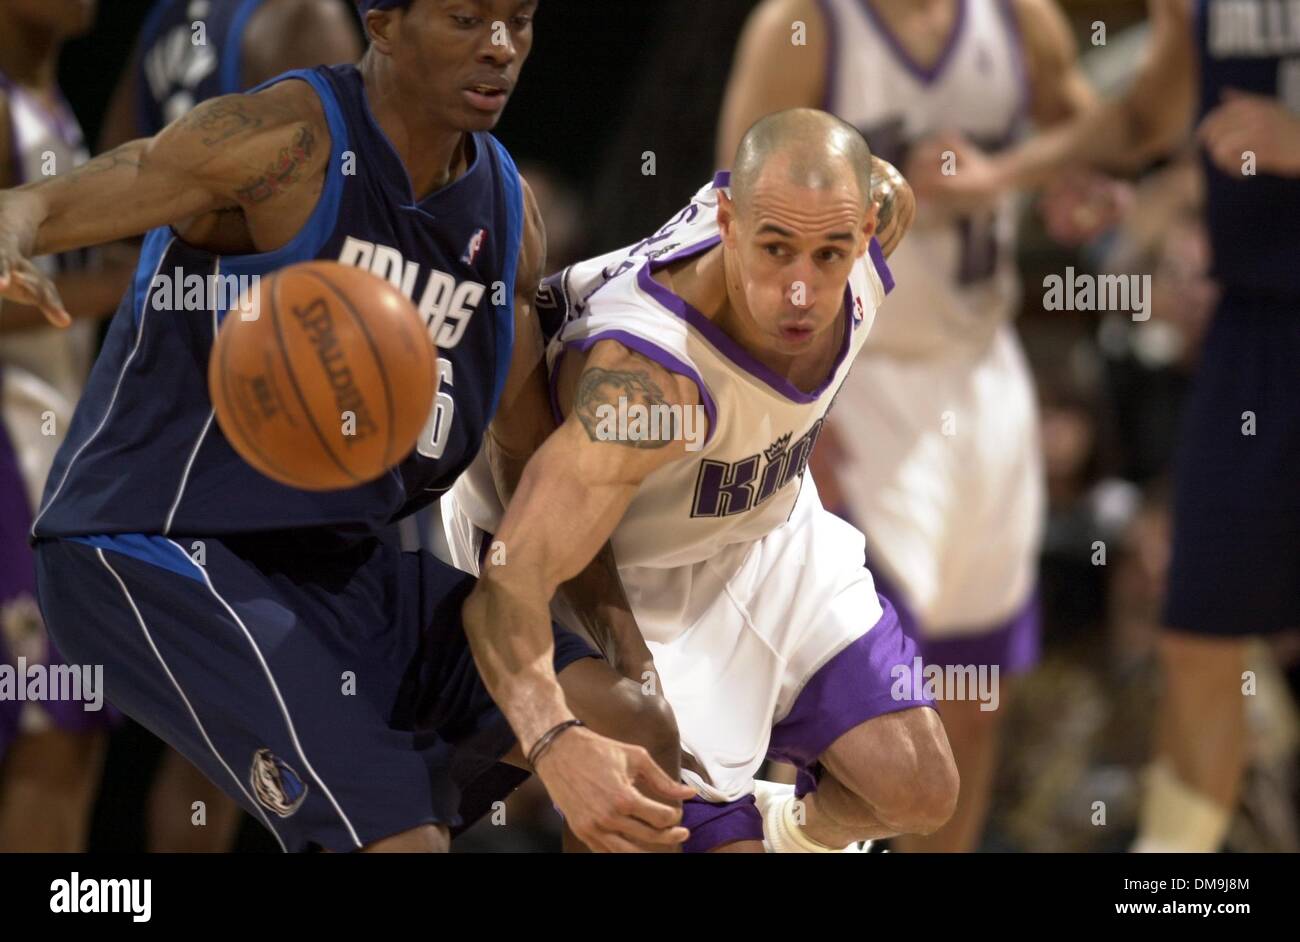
(244, 43)
(50, 751)
(313, 671)
(1235, 570)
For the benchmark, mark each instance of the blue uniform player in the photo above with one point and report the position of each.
(187, 52)
(1233, 66)
(317, 674)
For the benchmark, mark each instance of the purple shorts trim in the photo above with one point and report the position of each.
(854, 686)
(712, 825)
(1014, 645)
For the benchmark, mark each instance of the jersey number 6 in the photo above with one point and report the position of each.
(433, 440)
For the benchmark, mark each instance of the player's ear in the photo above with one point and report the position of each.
(727, 218)
(380, 28)
(869, 225)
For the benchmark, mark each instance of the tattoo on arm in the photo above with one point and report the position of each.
(221, 121)
(124, 156)
(284, 173)
(605, 395)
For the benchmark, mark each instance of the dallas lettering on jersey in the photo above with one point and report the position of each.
(446, 305)
(1258, 28)
(723, 489)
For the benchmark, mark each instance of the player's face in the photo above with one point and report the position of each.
(465, 56)
(794, 249)
(65, 18)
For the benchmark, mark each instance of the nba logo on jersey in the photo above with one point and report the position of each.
(859, 312)
(475, 246)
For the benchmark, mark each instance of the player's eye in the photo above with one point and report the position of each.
(774, 250)
(465, 22)
(523, 22)
(830, 255)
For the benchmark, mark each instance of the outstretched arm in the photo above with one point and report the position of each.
(251, 153)
(570, 499)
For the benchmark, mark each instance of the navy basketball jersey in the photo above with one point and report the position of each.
(144, 454)
(1254, 221)
(189, 51)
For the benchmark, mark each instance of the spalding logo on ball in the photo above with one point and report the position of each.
(330, 384)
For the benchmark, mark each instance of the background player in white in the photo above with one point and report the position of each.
(49, 752)
(934, 452)
(765, 628)
(1234, 67)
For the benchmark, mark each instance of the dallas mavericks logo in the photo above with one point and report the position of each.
(724, 489)
(277, 787)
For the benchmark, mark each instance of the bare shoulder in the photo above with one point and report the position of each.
(236, 142)
(532, 251)
(613, 373)
(1045, 30)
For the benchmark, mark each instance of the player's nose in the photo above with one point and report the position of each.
(498, 46)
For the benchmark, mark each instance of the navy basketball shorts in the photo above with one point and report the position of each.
(333, 695)
(1235, 568)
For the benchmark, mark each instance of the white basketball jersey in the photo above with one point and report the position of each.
(956, 275)
(742, 481)
(47, 142)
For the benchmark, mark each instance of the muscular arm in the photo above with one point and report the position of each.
(298, 34)
(570, 499)
(595, 596)
(262, 155)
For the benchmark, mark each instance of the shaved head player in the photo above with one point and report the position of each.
(237, 662)
(746, 311)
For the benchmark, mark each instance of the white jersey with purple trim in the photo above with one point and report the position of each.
(742, 481)
(743, 586)
(43, 369)
(957, 274)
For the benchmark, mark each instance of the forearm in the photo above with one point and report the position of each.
(599, 603)
(509, 632)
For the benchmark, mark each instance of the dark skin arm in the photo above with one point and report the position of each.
(239, 173)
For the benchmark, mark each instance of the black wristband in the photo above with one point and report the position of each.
(548, 737)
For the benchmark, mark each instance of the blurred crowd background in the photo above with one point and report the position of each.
(609, 81)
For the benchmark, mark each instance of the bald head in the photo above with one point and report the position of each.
(805, 148)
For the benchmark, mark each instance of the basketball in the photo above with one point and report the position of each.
(323, 379)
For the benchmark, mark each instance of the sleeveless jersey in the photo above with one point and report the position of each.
(742, 483)
(1254, 220)
(144, 454)
(175, 71)
(957, 277)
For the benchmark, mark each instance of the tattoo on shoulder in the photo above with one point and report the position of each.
(221, 120)
(284, 173)
(606, 395)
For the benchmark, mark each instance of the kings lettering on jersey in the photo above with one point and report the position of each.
(723, 489)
